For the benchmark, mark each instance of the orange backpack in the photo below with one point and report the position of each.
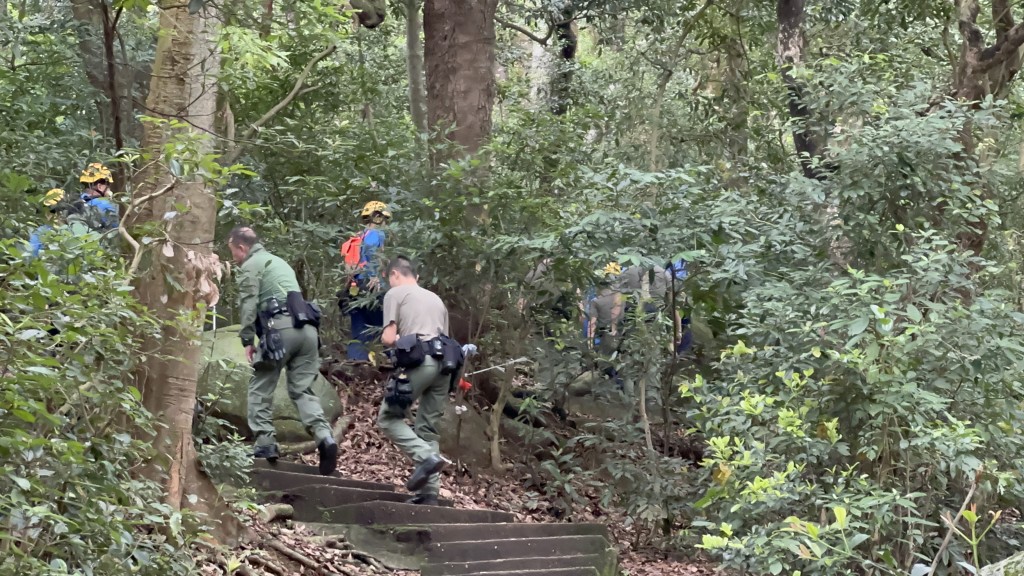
(351, 250)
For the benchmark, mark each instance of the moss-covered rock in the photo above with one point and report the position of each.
(1012, 566)
(226, 373)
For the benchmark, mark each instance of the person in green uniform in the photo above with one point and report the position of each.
(411, 309)
(264, 283)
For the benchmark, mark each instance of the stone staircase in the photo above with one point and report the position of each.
(436, 540)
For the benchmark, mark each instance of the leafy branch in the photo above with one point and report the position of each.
(297, 90)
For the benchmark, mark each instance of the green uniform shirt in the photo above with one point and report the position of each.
(261, 277)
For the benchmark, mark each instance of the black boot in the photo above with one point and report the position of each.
(424, 500)
(268, 451)
(430, 466)
(328, 450)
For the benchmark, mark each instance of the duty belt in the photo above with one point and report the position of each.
(273, 307)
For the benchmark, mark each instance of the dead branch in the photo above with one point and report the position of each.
(333, 542)
(271, 512)
(952, 523)
(123, 231)
(284, 550)
(542, 40)
(367, 559)
(265, 564)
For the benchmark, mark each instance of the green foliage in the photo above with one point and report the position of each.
(70, 423)
(881, 393)
(223, 454)
(869, 364)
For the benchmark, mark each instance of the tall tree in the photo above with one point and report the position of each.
(414, 62)
(566, 39)
(984, 71)
(112, 77)
(809, 142)
(459, 53)
(179, 277)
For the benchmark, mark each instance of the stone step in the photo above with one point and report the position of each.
(293, 467)
(308, 501)
(378, 512)
(482, 550)
(271, 480)
(405, 547)
(512, 565)
(588, 571)
(506, 531)
(474, 532)
(430, 533)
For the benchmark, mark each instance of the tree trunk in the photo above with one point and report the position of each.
(179, 275)
(984, 71)
(735, 85)
(97, 40)
(459, 52)
(561, 83)
(267, 19)
(414, 61)
(809, 143)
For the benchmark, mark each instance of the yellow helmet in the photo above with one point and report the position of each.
(374, 206)
(52, 197)
(612, 269)
(95, 172)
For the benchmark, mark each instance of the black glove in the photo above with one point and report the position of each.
(272, 345)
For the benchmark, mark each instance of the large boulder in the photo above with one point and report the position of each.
(1012, 566)
(226, 373)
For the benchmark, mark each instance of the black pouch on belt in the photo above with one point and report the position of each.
(409, 352)
(302, 312)
(272, 344)
(398, 390)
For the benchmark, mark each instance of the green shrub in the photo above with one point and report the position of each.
(71, 500)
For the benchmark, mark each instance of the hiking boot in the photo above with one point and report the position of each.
(267, 451)
(424, 500)
(430, 466)
(328, 450)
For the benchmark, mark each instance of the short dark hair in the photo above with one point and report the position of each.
(243, 236)
(402, 265)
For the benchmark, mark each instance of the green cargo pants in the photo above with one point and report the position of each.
(302, 364)
(421, 440)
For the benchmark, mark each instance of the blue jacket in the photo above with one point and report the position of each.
(100, 213)
(35, 241)
(373, 240)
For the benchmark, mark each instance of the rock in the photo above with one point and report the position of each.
(226, 374)
(468, 442)
(1012, 566)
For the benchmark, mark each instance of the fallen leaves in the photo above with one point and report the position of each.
(367, 455)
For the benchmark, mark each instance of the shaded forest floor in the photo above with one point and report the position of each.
(367, 455)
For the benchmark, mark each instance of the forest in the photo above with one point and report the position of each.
(842, 180)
